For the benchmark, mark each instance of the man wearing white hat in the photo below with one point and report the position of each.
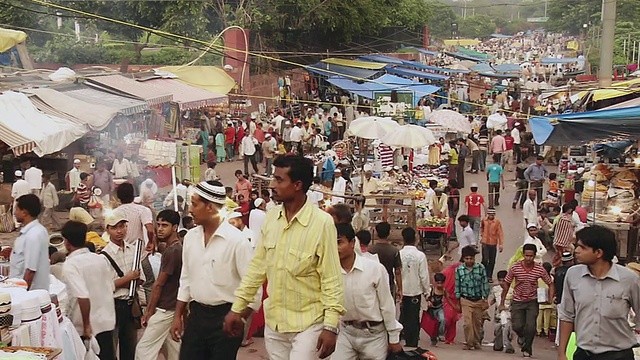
(74, 175)
(268, 150)
(19, 188)
(33, 176)
(235, 219)
(256, 219)
(216, 257)
(515, 134)
(339, 187)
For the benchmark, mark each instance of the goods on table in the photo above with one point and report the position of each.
(613, 191)
(30, 352)
(432, 222)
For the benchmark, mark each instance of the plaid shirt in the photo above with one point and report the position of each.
(471, 283)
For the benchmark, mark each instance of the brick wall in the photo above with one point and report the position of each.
(265, 86)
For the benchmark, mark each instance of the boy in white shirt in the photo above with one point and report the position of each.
(502, 319)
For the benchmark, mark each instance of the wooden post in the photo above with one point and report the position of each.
(25, 59)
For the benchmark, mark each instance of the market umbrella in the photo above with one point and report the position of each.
(372, 127)
(452, 120)
(497, 121)
(410, 136)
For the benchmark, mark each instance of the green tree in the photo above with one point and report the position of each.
(477, 26)
(440, 20)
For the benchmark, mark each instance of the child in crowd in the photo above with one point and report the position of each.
(244, 208)
(546, 306)
(210, 174)
(502, 319)
(553, 195)
(545, 228)
(556, 211)
(435, 303)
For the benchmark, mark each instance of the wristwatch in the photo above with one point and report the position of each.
(331, 329)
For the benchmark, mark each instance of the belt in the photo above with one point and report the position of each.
(362, 324)
(471, 298)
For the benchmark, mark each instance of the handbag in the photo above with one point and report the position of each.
(136, 307)
(7, 224)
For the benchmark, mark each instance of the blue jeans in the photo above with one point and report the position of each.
(483, 160)
(438, 314)
(230, 153)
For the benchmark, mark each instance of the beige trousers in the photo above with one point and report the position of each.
(292, 346)
(353, 343)
(156, 335)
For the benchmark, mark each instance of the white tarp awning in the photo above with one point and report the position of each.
(59, 104)
(25, 129)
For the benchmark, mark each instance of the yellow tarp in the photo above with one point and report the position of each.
(10, 38)
(210, 78)
(573, 45)
(626, 83)
(605, 94)
(355, 63)
(462, 42)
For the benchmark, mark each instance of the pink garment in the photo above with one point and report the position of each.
(498, 145)
(51, 329)
(451, 315)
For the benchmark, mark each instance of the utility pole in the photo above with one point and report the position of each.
(606, 45)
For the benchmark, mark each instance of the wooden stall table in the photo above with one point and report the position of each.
(439, 235)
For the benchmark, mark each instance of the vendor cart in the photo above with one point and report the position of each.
(438, 235)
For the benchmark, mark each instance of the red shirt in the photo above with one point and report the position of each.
(259, 135)
(582, 213)
(526, 288)
(474, 202)
(508, 142)
(230, 135)
(240, 135)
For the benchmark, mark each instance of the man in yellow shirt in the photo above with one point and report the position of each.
(298, 256)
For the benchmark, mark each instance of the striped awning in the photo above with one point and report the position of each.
(124, 86)
(17, 143)
(186, 96)
(126, 105)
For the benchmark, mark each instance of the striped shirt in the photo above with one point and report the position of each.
(299, 260)
(564, 231)
(471, 283)
(526, 288)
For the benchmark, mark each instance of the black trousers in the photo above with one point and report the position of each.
(125, 334)
(494, 194)
(582, 354)
(489, 253)
(410, 319)
(203, 337)
(105, 341)
(524, 315)
(517, 152)
(254, 164)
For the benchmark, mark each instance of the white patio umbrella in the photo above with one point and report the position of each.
(497, 122)
(452, 120)
(410, 136)
(372, 127)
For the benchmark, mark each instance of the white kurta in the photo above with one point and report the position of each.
(339, 187)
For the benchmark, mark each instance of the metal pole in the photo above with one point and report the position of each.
(175, 192)
(606, 48)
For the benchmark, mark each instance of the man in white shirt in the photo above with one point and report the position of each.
(515, 134)
(235, 219)
(161, 305)
(30, 256)
(74, 175)
(19, 188)
(215, 258)
(339, 187)
(269, 203)
(256, 220)
(90, 288)
(33, 176)
(119, 256)
(415, 283)
(49, 200)
(530, 208)
(369, 186)
(121, 168)
(466, 237)
(249, 152)
(296, 138)
(369, 329)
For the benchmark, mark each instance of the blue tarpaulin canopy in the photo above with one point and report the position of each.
(325, 69)
(585, 127)
(384, 83)
(381, 59)
(462, 56)
(415, 73)
(423, 51)
(559, 61)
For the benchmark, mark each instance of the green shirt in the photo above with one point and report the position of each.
(453, 157)
(471, 283)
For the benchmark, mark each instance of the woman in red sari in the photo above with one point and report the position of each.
(451, 313)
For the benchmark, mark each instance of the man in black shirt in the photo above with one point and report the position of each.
(389, 256)
(558, 281)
